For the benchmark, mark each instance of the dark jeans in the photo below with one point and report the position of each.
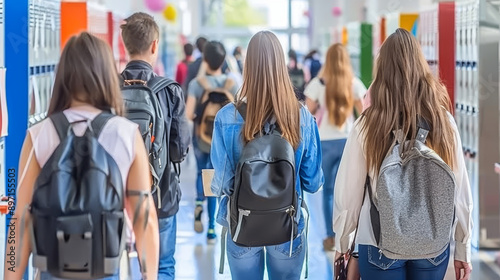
(374, 265)
(203, 162)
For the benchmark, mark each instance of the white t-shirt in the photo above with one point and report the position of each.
(316, 91)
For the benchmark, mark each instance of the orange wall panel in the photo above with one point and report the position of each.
(73, 20)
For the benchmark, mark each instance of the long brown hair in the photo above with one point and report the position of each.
(337, 75)
(403, 89)
(86, 73)
(268, 89)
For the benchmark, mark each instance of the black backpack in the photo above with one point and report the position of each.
(77, 228)
(264, 205)
(297, 78)
(144, 109)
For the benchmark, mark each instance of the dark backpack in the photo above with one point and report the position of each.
(315, 67)
(212, 100)
(77, 206)
(143, 108)
(298, 81)
(297, 78)
(264, 205)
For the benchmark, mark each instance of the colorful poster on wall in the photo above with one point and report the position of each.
(3, 105)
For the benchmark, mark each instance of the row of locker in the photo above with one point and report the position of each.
(428, 35)
(467, 76)
(467, 24)
(44, 32)
(44, 49)
(40, 89)
(477, 111)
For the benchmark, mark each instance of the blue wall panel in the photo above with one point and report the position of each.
(17, 81)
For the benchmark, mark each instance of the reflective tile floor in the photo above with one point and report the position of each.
(196, 260)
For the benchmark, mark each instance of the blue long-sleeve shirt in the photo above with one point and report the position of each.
(227, 144)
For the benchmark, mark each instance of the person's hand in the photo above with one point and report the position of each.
(462, 270)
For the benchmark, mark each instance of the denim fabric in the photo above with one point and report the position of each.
(134, 268)
(248, 262)
(227, 144)
(332, 154)
(374, 265)
(168, 235)
(203, 162)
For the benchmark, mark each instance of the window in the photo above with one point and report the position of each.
(235, 21)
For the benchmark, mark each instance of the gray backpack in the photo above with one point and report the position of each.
(414, 211)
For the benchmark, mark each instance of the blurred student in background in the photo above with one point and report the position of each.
(296, 75)
(182, 67)
(334, 96)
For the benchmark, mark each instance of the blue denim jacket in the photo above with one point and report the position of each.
(227, 144)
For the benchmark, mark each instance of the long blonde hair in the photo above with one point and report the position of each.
(337, 75)
(403, 89)
(268, 89)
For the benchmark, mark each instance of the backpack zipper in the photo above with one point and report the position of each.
(242, 213)
(158, 193)
(291, 212)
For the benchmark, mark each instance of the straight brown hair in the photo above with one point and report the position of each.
(86, 73)
(404, 88)
(268, 89)
(337, 75)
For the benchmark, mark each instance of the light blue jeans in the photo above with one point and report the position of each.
(332, 154)
(373, 265)
(168, 236)
(248, 262)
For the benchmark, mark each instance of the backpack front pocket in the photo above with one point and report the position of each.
(264, 228)
(75, 234)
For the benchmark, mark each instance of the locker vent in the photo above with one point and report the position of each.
(2, 14)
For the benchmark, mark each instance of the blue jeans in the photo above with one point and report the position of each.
(373, 265)
(248, 262)
(168, 235)
(332, 154)
(203, 162)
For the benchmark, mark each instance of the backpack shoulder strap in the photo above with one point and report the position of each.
(203, 83)
(423, 129)
(100, 121)
(158, 83)
(61, 124)
(242, 109)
